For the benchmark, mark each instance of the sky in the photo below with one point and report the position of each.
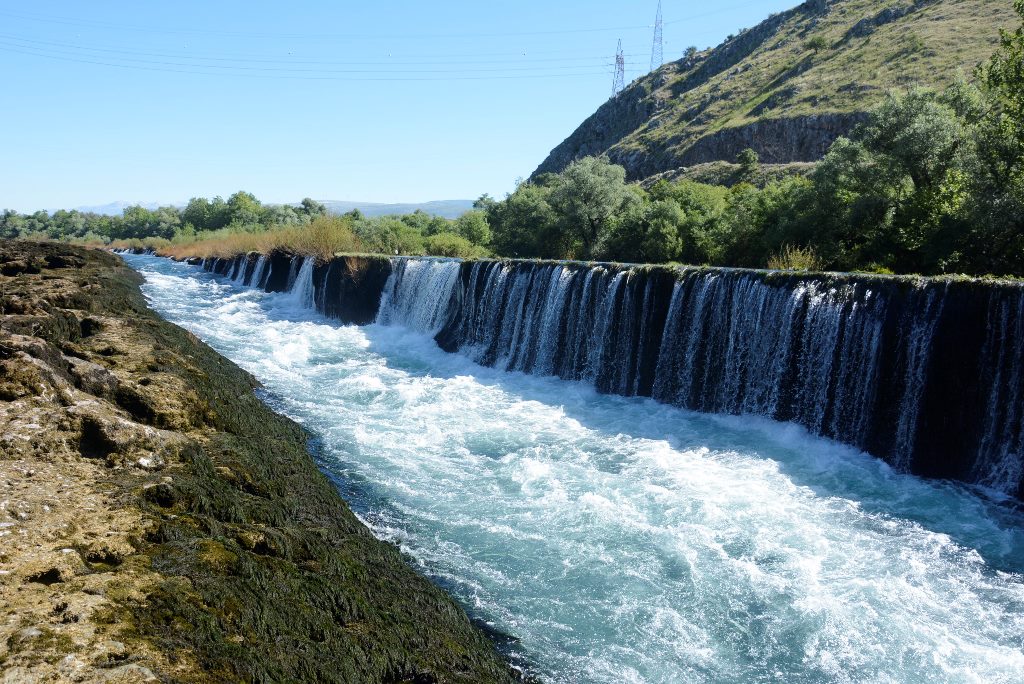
(386, 101)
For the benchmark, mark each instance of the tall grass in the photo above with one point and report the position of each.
(795, 259)
(322, 238)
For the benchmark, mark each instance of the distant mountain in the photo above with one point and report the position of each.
(117, 208)
(788, 87)
(449, 209)
(445, 208)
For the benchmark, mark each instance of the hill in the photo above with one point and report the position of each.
(449, 209)
(789, 86)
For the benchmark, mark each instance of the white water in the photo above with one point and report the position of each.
(621, 540)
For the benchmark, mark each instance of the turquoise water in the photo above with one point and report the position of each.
(620, 540)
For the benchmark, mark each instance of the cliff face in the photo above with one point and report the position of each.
(159, 523)
(788, 87)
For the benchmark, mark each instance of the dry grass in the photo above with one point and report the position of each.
(323, 238)
(795, 259)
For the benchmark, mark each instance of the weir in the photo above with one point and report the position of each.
(924, 373)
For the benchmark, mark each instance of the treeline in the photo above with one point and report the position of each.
(243, 219)
(241, 211)
(932, 183)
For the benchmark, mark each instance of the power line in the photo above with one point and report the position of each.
(386, 61)
(87, 23)
(329, 36)
(301, 70)
(275, 74)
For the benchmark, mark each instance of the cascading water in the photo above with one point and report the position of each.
(260, 272)
(868, 361)
(624, 540)
(301, 286)
(418, 294)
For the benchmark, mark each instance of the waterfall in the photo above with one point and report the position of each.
(418, 294)
(852, 358)
(927, 374)
(293, 272)
(301, 288)
(260, 273)
(1001, 461)
(916, 347)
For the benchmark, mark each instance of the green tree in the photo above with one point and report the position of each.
(647, 232)
(12, 224)
(526, 225)
(473, 226)
(895, 191)
(311, 208)
(450, 245)
(587, 196)
(389, 235)
(816, 44)
(749, 162)
(484, 202)
(997, 212)
(283, 215)
(244, 209)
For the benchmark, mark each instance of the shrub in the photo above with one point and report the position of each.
(816, 44)
(451, 245)
(795, 259)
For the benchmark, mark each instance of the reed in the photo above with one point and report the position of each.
(322, 238)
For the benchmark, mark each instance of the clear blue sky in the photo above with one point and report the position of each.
(394, 100)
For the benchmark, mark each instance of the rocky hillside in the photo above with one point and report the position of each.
(159, 523)
(789, 86)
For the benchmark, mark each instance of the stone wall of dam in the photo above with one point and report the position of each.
(925, 373)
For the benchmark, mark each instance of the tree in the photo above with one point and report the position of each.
(484, 202)
(12, 224)
(703, 207)
(203, 214)
(450, 245)
(816, 44)
(587, 195)
(389, 235)
(244, 209)
(648, 232)
(284, 215)
(997, 214)
(893, 193)
(473, 226)
(311, 208)
(526, 225)
(749, 162)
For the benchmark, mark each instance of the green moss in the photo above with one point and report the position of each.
(265, 575)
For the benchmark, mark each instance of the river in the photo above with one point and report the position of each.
(616, 539)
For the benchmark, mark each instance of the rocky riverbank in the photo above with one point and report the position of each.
(159, 523)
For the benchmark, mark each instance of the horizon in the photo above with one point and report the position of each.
(127, 101)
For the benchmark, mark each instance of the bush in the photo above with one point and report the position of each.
(816, 44)
(795, 259)
(451, 245)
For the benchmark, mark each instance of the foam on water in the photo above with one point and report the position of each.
(622, 540)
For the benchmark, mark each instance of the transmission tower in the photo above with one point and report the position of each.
(657, 48)
(619, 81)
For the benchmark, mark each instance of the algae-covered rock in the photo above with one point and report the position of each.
(159, 523)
